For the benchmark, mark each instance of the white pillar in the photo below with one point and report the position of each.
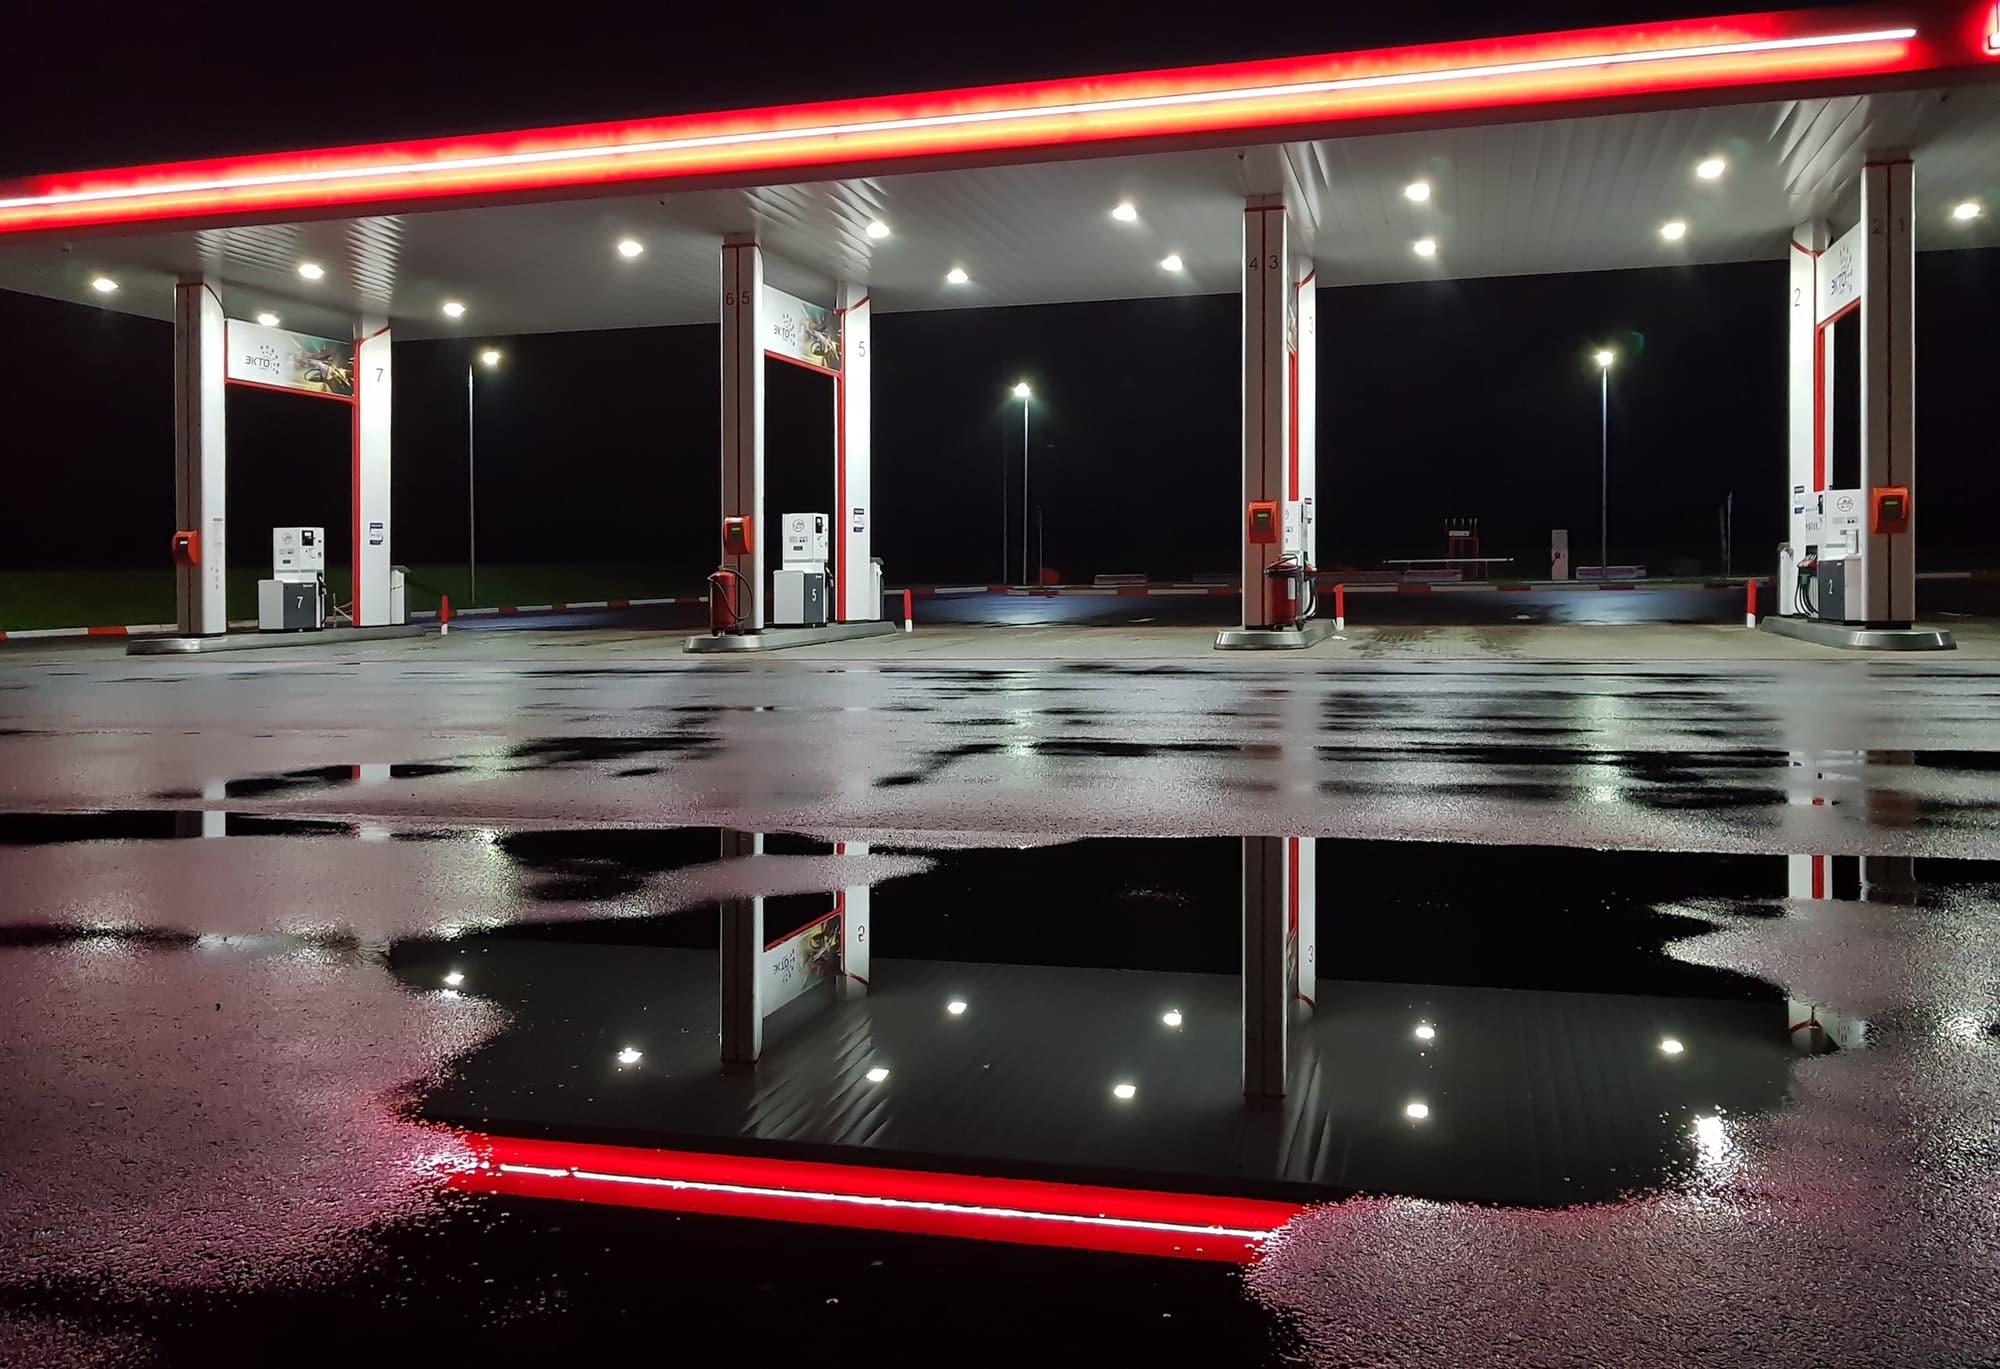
(1805, 446)
(1268, 343)
(1888, 375)
(1305, 406)
(743, 416)
(201, 606)
(854, 597)
(1302, 888)
(854, 968)
(370, 493)
(742, 964)
(1267, 986)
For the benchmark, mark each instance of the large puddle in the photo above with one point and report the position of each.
(290, 1039)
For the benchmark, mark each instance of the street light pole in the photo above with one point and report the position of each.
(1023, 393)
(1604, 358)
(471, 509)
(1603, 472)
(488, 357)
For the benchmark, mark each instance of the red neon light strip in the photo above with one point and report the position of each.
(1270, 97)
(1019, 1211)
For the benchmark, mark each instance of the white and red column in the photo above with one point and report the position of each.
(201, 605)
(854, 967)
(854, 597)
(743, 417)
(742, 964)
(1870, 268)
(1280, 426)
(370, 473)
(1888, 381)
(1280, 953)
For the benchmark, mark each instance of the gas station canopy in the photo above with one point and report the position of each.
(1687, 142)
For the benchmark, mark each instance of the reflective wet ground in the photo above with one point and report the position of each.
(1655, 1017)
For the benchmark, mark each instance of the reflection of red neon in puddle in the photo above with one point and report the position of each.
(1024, 1211)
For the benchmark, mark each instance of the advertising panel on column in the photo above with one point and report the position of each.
(290, 361)
(801, 332)
(794, 963)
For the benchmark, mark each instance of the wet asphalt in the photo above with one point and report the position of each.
(231, 891)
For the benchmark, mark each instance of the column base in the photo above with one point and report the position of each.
(1310, 633)
(1861, 638)
(778, 638)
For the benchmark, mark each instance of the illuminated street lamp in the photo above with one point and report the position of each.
(1023, 393)
(489, 357)
(1606, 359)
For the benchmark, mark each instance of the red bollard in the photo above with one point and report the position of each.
(444, 613)
(1750, 605)
(908, 624)
(1340, 608)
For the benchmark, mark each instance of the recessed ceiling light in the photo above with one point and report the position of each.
(630, 247)
(103, 285)
(1711, 168)
(878, 229)
(1426, 1032)
(1416, 1112)
(1966, 211)
(453, 309)
(1171, 262)
(956, 1007)
(490, 357)
(957, 275)
(1172, 1017)
(1425, 247)
(1125, 213)
(1416, 192)
(1669, 1046)
(268, 319)
(311, 270)
(1673, 230)
(877, 1075)
(1124, 1092)
(631, 1055)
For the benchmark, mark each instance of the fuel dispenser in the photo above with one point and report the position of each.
(1289, 596)
(1828, 575)
(799, 589)
(294, 598)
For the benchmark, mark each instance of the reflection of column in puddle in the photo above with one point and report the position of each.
(1890, 804)
(742, 958)
(853, 907)
(1817, 1029)
(1302, 891)
(1267, 981)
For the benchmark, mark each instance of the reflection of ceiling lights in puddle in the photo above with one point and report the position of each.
(454, 979)
(877, 1075)
(631, 1055)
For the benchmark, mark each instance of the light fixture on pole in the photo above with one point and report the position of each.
(488, 357)
(1605, 358)
(1025, 395)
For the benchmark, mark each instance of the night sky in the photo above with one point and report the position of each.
(1436, 399)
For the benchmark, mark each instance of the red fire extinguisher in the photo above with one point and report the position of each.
(725, 601)
(1284, 592)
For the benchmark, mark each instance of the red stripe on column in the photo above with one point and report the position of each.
(104, 632)
(840, 478)
(354, 494)
(1818, 876)
(1292, 423)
